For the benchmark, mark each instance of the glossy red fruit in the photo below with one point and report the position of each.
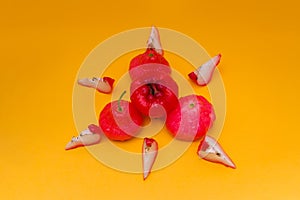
(191, 119)
(120, 120)
(149, 56)
(150, 70)
(154, 95)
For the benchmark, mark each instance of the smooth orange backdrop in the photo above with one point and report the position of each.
(43, 44)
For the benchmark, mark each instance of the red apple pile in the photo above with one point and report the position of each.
(154, 94)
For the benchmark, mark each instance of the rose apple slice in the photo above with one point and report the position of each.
(154, 41)
(191, 119)
(202, 76)
(103, 85)
(120, 120)
(87, 137)
(210, 150)
(149, 151)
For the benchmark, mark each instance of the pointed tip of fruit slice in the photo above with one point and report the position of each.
(210, 150)
(154, 40)
(149, 153)
(87, 82)
(145, 175)
(71, 145)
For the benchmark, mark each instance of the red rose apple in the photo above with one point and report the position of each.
(150, 56)
(154, 94)
(120, 120)
(191, 119)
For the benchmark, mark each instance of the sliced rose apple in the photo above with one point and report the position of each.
(210, 150)
(154, 41)
(87, 137)
(103, 85)
(150, 150)
(202, 76)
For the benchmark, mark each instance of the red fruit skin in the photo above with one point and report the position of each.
(154, 71)
(149, 56)
(122, 125)
(154, 94)
(190, 123)
(162, 102)
(193, 76)
(95, 129)
(109, 80)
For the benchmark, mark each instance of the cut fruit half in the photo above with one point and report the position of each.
(210, 150)
(202, 76)
(154, 41)
(150, 150)
(87, 137)
(103, 85)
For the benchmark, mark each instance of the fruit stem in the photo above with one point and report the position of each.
(119, 101)
(153, 89)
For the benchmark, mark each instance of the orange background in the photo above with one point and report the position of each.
(43, 44)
